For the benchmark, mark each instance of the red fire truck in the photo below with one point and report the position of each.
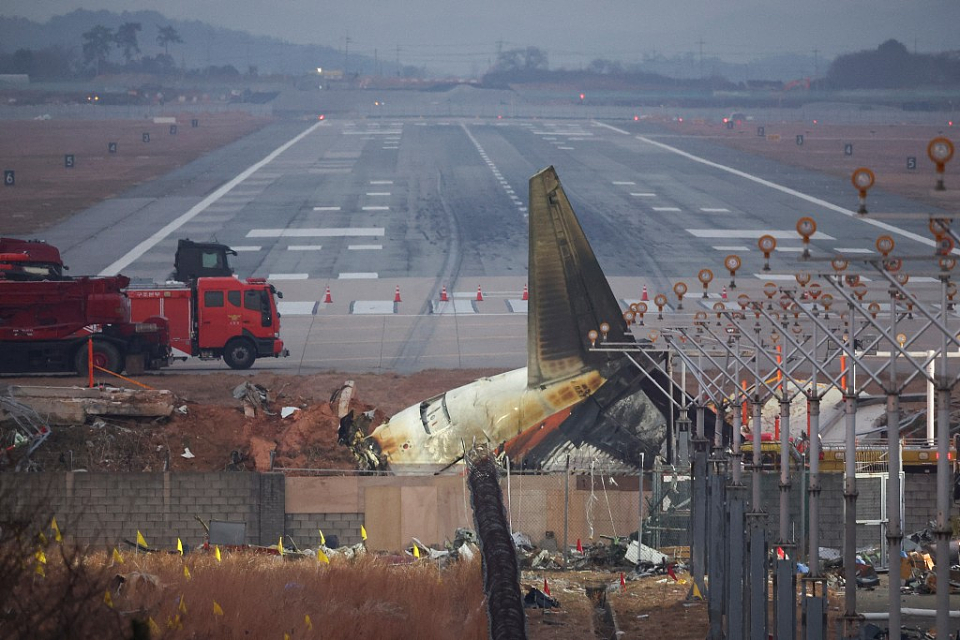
(213, 314)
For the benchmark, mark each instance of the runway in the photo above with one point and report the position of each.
(370, 207)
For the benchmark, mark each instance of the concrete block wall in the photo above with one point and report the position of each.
(304, 528)
(919, 505)
(103, 509)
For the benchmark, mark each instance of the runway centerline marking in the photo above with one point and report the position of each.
(326, 208)
(714, 210)
(371, 208)
(779, 187)
(364, 247)
(330, 232)
(196, 209)
(304, 247)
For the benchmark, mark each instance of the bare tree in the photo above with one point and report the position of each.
(97, 44)
(126, 39)
(167, 36)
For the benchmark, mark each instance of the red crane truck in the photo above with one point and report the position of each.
(45, 326)
(213, 314)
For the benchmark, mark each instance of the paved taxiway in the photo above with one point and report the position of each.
(366, 206)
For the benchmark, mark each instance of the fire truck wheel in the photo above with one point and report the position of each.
(239, 354)
(105, 355)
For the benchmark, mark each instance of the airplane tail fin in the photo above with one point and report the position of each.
(569, 295)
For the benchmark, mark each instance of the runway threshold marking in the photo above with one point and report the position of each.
(196, 209)
(779, 187)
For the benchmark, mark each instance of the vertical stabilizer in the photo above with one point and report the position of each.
(569, 295)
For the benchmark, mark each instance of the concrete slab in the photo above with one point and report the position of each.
(373, 307)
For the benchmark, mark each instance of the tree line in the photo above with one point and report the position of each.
(98, 44)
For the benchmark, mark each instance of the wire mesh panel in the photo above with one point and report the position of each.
(669, 508)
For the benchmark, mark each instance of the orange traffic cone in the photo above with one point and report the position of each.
(623, 582)
(479, 294)
(644, 297)
(526, 294)
(443, 294)
(579, 546)
(396, 295)
(723, 294)
(546, 587)
(327, 297)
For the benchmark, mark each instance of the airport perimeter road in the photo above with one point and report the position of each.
(366, 206)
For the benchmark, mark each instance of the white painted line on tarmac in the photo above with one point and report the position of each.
(304, 247)
(370, 208)
(790, 249)
(643, 195)
(565, 148)
(852, 250)
(779, 187)
(666, 208)
(358, 275)
(378, 193)
(372, 133)
(768, 276)
(246, 247)
(288, 276)
(330, 232)
(731, 247)
(750, 234)
(364, 247)
(326, 208)
(714, 210)
(381, 182)
(196, 209)
(623, 182)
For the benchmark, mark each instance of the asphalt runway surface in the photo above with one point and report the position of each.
(375, 207)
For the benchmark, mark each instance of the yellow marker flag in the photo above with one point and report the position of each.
(42, 538)
(216, 550)
(308, 622)
(280, 545)
(323, 540)
(179, 547)
(40, 572)
(363, 532)
(186, 572)
(182, 607)
(696, 592)
(217, 611)
(107, 600)
(322, 557)
(174, 623)
(117, 557)
(56, 530)
(154, 627)
(41, 556)
(141, 540)
(416, 551)
(286, 636)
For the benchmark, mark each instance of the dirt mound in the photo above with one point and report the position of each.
(209, 430)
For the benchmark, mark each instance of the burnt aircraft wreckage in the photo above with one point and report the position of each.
(568, 398)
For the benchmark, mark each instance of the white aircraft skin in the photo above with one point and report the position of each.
(491, 410)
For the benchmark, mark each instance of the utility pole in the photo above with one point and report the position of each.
(700, 42)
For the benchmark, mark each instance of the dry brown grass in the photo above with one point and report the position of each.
(267, 597)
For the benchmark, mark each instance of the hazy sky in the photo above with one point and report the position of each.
(441, 33)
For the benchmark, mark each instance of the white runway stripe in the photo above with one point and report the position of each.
(330, 232)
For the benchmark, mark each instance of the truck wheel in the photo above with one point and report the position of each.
(239, 354)
(105, 355)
